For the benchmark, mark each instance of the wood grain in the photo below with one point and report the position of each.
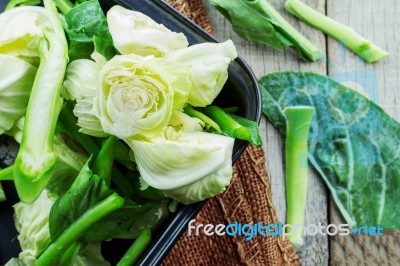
(377, 22)
(264, 60)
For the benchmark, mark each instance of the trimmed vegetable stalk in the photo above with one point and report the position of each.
(258, 22)
(194, 113)
(7, 173)
(104, 162)
(137, 248)
(64, 6)
(55, 250)
(69, 257)
(2, 194)
(232, 125)
(308, 50)
(297, 129)
(16, 3)
(70, 122)
(346, 35)
(36, 160)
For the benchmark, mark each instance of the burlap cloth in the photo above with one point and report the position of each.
(247, 200)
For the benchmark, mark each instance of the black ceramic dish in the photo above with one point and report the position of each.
(240, 90)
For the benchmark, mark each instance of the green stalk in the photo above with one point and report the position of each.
(194, 113)
(70, 122)
(55, 251)
(2, 194)
(296, 151)
(104, 162)
(148, 193)
(35, 160)
(124, 184)
(64, 5)
(346, 35)
(15, 3)
(69, 257)
(226, 123)
(7, 173)
(137, 248)
(122, 155)
(310, 51)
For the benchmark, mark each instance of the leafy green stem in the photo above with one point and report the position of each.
(309, 50)
(194, 113)
(137, 248)
(56, 249)
(70, 123)
(2, 194)
(36, 159)
(346, 35)
(15, 3)
(68, 258)
(64, 5)
(7, 173)
(104, 161)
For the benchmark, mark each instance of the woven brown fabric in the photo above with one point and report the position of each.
(194, 10)
(247, 200)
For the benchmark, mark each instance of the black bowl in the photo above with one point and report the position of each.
(241, 90)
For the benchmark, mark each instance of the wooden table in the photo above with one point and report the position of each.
(379, 22)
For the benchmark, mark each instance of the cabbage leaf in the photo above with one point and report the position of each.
(170, 164)
(134, 32)
(16, 81)
(353, 144)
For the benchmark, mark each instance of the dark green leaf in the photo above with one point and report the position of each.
(123, 222)
(232, 125)
(15, 3)
(353, 144)
(85, 192)
(251, 126)
(258, 22)
(86, 26)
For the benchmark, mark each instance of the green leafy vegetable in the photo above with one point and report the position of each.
(69, 164)
(161, 170)
(119, 224)
(2, 194)
(134, 32)
(70, 160)
(92, 200)
(64, 5)
(234, 126)
(258, 22)
(15, 3)
(297, 128)
(7, 173)
(183, 176)
(137, 248)
(35, 161)
(210, 185)
(80, 85)
(346, 35)
(209, 69)
(21, 29)
(137, 94)
(353, 144)
(16, 80)
(31, 221)
(82, 24)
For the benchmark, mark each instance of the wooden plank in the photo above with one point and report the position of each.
(378, 22)
(265, 60)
